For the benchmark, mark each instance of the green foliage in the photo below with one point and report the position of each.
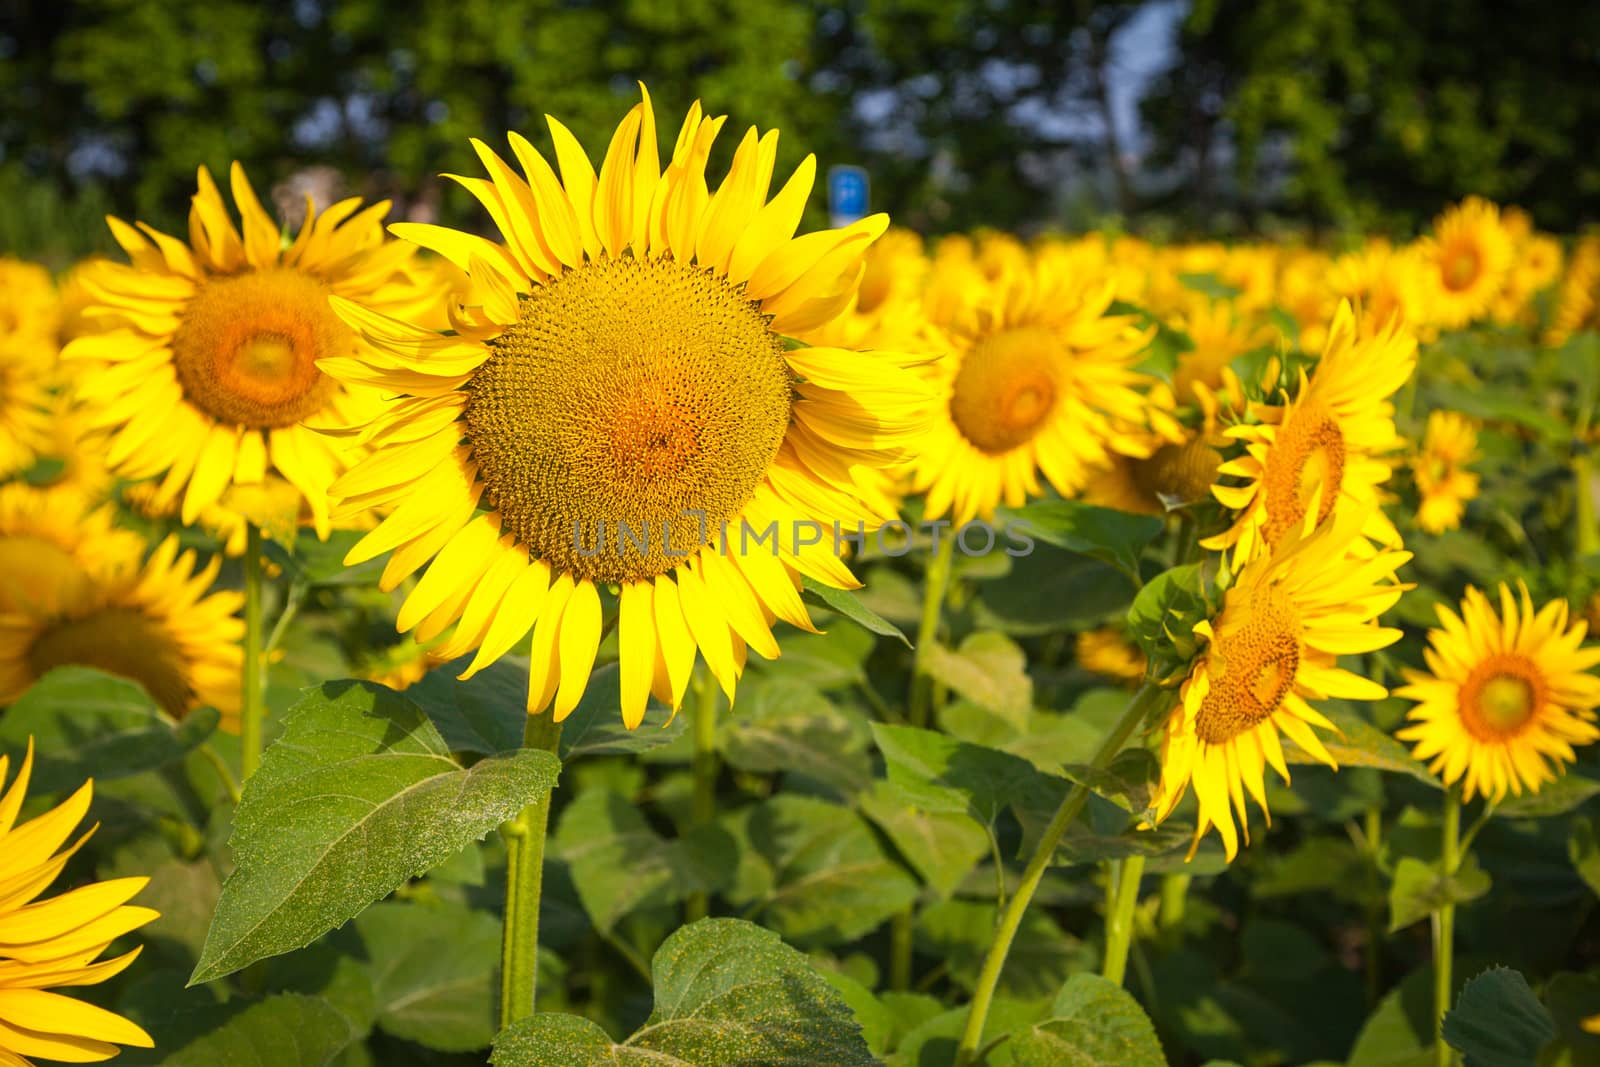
(1092, 1023)
(726, 991)
(1498, 1022)
(357, 795)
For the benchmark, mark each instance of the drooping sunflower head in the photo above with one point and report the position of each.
(1270, 651)
(54, 943)
(205, 354)
(156, 623)
(1506, 697)
(1443, 482)
(1467, 257)
(1320, 451)
(1040, 380)
(617, 391)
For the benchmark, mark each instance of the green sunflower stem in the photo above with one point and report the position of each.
(1123, 898)
(1174, 898)
(1145, 701)
(704, 767)
(524, 837)
(253, 705)
(1588, 532)
(938, 580)
(1444, 927)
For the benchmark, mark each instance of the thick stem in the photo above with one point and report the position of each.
(704, 767)
(1125, 876)
(252, 705)
(1146, 700)
(1372, 833)
(1588, 532)
(1444, 927)
(938, 579)
(524, 837)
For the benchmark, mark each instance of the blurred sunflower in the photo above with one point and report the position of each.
(206, 354)
(1577, 304)
(46, 944)
(153, 624)
(29, 306)
(1444, 485)
(25, 374)
(1040, 380)
(1383, 283)
(71, 455)
(894, 270)
(1320, 451)
(1221, 332)
(50, 540)
(1466, 260)
(1109, 653)
(1273, 647)
(621, 363)
(1505, 697)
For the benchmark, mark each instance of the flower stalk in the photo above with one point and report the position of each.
(1122, 897)
(704, 767)
(1444, 925)
(1146, 700)
(253, 705)
(525, 840)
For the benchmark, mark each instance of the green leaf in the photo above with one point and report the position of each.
(1050, 590)
(285, 1030)
(435, 971)
(620, 864)
(595, 726)
(815, 871)
(1498, 1022)
(847, 604)
(322, 562)
(88, 724)
(481, 716)
(1420, 889)
(1583, 849)
(782, 724)
(358, 794)
(1093, 1023)
(1567, 792)
(1115, 537)
(1164, 615)
(1210, 285)
(1362, 745)
(943, 774)
(959, 933)
(726, 992)
(943, 846)
(988, 669)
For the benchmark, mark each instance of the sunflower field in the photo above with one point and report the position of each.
(1164, 653)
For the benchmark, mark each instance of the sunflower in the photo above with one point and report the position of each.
(1465, 260)
(24, 404)
(1383, 283)
(46, 944)
(206, 354)
(154, 624)
(1040, 379)
(1320, 451)
(29, 306)
(1273, 648)
(1505, 697)
(71, 455)
(1221, 332)
(1109, 653)
(620, 396)
(1443, 483)
(50, 541)
(1577, 304)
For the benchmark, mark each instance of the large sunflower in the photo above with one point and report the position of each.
(1040, 380)
(155, 624)
(206, 353)
(618, 392)
(1505, 697)
(49, 944)
(50, 541)
(1320, 450)
(1272, 649)
(1465, 259)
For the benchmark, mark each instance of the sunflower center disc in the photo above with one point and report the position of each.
(120, 641)
(246, 350)
(1461, 269)
(631, 410)
(1258, 663)
(1006, 388)
(1500, 697)
(1307, 458)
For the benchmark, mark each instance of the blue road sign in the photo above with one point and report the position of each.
(847, 194)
